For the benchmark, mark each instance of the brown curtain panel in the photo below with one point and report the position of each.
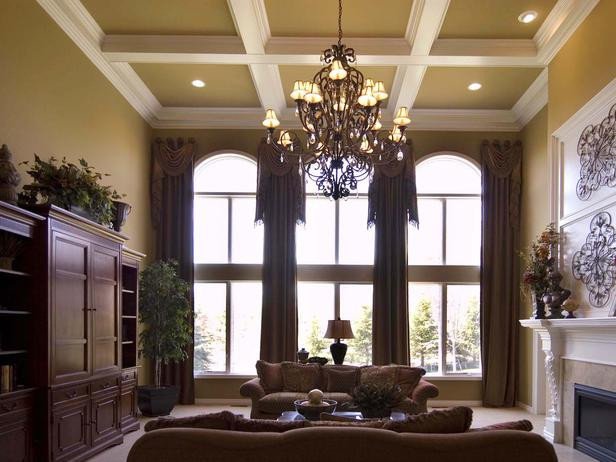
(500, 287)
(172, 217)
(392, 204)
(280, 207)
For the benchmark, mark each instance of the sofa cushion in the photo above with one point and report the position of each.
(380, 375)
(340, 380)
(277, 403)
(452, 420)
(357, 423)
(270, 375)
(298, 377)
(266, 425)
(408, 378)
(522, 425)
(408, 406)
(224, 420)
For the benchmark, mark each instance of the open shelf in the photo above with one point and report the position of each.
(14, 312)
(12, 352)
(127, 342)
(13, 272)
(126, 316)
(128, 291)
(16, 391)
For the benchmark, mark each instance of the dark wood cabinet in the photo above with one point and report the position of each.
(76, 288)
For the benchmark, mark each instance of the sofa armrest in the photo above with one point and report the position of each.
(423, 391)
(252, 389)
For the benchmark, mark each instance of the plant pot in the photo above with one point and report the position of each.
(538, 306)
(121, 210)
(154, 402)
(372, 413)
(79, 211)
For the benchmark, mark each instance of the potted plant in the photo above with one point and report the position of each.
(165, 312)
(74, 187)
(376, 400)
(537, 263)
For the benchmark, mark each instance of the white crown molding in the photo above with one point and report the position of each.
(77, 23)
(250, 118)
(596, 108)
(533, 99)
(484, 47)
(561, 23)
(413, 24)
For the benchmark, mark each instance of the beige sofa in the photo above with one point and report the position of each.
(279, 385)
(338, 444)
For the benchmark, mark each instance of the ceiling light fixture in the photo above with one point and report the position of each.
(198, 83)
(340, 113)
(474, 86)
(527, 16)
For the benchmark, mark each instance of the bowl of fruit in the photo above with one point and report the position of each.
(312, 407)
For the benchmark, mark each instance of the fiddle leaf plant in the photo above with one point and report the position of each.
(166, 313)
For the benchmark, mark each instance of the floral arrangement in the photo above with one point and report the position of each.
(69, 185)
(376, 400)
(538, 260)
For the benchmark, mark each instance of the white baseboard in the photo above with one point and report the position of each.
(223, 402)
(452, 403)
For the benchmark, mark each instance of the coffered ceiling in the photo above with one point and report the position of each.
(249, 52)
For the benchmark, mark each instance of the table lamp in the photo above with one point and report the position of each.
(338, 328)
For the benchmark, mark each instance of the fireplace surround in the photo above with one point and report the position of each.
(595, 422)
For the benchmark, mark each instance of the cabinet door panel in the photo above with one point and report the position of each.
(106, 303)
(16, 440)
(70, 316)
(70, 431)
(105, 418)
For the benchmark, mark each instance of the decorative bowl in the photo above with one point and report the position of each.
(313, 411)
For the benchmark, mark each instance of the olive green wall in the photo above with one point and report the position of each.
(54, 102)
(535, 216)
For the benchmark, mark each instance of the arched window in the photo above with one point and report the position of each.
(228, 250)
(445, 253)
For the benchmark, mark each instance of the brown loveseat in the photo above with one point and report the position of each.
(338, 444)
(278, 385)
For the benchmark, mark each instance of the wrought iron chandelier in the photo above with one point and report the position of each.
(340, 113)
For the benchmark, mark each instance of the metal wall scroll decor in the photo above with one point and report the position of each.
(597, 151)
(595, 263)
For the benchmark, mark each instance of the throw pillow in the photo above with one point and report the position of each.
(380, 375)
(224, 420)
(270, 426)
(452, 420)
(522, 425)
(343, 381)
(301, 378)
(408, 378)
(270, 375)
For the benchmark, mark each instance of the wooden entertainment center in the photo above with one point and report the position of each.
(68, 332)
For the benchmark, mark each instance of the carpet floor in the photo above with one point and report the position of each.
(481, 416)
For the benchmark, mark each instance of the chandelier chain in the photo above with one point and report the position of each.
(339, 22)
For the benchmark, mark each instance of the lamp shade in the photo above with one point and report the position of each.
(339, 328)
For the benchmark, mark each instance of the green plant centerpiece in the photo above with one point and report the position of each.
(538, 262)
(74, 187)
(376, 400)
(166, 313)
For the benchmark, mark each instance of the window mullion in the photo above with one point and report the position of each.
(228, 333)
(229, 230)
(443, 330)
(444, 233)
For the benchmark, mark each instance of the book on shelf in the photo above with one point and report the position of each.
(7, 378)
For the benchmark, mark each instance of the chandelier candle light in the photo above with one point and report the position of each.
(340, 113)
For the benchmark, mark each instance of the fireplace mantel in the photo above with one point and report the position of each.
(581, 339)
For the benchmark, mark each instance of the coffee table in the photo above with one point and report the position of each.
(289, 416)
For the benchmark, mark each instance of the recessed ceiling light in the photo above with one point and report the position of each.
(474, 86)
(198, 83)
(527, 16)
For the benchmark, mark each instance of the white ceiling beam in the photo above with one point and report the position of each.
(195, 44)
(533, 100)
(484, 47)
(250, 118)
(78, 24)
(250, 20)
(561, 23)
(363, 46)
(422, 30)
